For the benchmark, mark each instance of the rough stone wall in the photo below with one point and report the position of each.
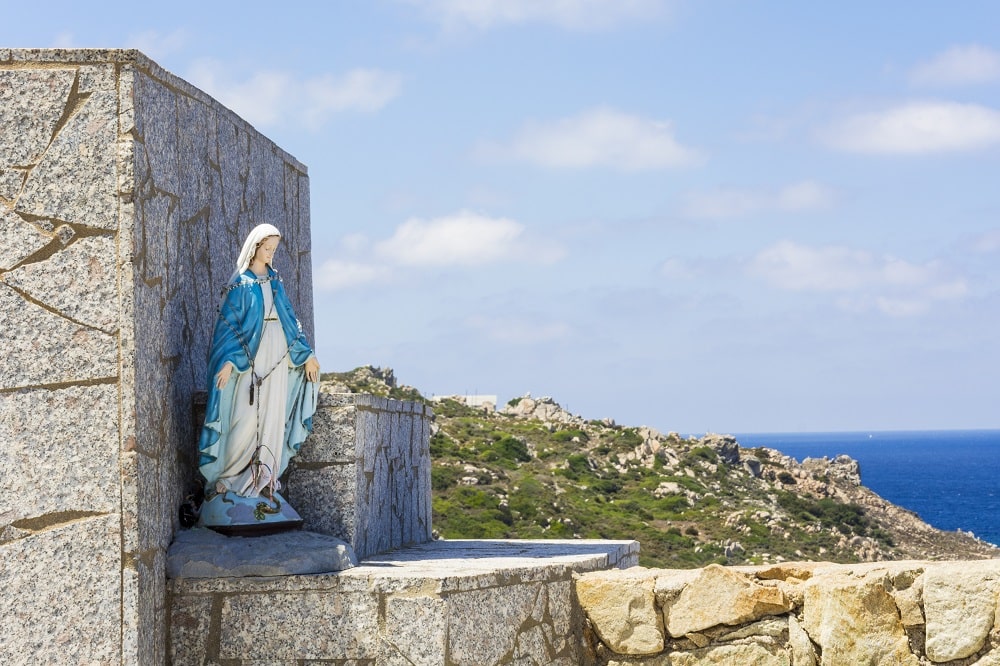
(795, 614)
(125, 194)
(364, 476)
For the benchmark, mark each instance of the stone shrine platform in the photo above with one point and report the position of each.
(461, 602)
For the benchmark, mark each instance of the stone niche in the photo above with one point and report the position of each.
(125, 195)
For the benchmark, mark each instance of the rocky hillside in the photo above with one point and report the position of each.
(533, 470)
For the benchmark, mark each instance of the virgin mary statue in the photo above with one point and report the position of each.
(262, 388)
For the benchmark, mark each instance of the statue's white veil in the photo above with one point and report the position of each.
(257, 234)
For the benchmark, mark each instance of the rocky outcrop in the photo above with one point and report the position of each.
(797, 614)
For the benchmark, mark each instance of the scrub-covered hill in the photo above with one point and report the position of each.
(532, 470)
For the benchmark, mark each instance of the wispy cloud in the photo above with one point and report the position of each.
(583, 15)
(596, 138)
(736, 202)
(917, 128)
(959, 65)
(859, 279)
(336, 274)
(518, 330)
(157, 45)
(463, 240)
(276, 97)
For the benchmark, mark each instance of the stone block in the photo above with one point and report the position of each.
(747, 654)
(75, 179)
(854, 620)
(58, 441)
(78, 282)
(722, 596)
(68, 606)
(31, 103)
(42, 347)
(21, 239)
(416, 630)
(326, 500)
(621, 606)
(308, 625)
(510, 609)
(960, 604)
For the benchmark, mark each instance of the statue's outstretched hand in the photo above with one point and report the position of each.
(222, 378)
(312, 369)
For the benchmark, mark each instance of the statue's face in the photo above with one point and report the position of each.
(265, 251)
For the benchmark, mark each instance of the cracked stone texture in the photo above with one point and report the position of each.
(960, 603)
(31, 103)
(67, 581)
(75, 179)
(78, 127)
(364, 476)
(82, 420)
(21, 239)
(78, 282)
(270, 626)
(43, 348)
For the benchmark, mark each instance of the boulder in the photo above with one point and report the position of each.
(854, 620)
(621, 607)
(960, 607)
(722, 596)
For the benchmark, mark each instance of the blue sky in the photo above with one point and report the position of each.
(698, 216)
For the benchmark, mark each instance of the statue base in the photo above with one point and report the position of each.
(233, 515)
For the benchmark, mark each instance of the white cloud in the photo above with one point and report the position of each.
(156, 45)
(736, 202)
(335, 274)
(518, 330)
(463, 239)
(599, 137)
(275, 97)
(570, 14)
(959, 65)
(863, 281)
(918, 127)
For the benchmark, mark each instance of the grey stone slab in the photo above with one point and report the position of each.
(332, 439)
(79, 282)
(277, 626)
(416, 629)
(75, 179)
(60, 451)
(21, 239)
(510, 607)
(202, 553)
(190, 624)
(68, 606)
(31, 103)
(325, 498)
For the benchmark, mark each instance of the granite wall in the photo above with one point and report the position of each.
(125, 194)
(364, 475)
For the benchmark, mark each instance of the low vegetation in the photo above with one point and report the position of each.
(534, 471)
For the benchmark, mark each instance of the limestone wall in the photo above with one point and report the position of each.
(125, 194)
(799, 614)
(364, 475)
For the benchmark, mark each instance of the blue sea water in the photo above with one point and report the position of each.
(950, 478)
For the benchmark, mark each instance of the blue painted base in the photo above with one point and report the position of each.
(233, 515)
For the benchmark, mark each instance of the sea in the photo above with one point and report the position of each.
(950, 478)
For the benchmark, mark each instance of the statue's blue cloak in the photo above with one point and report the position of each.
(238, 331)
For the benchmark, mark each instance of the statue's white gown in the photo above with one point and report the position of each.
(261, 424)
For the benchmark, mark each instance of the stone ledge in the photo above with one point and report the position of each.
(446, 602)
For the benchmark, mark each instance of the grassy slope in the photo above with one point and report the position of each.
(502, 475)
